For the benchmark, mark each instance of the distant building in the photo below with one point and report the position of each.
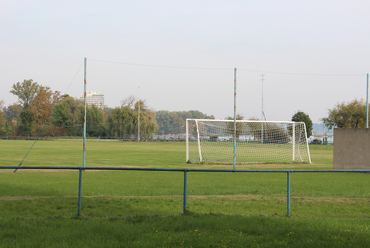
(94, 97)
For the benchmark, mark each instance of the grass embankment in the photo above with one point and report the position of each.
(133, 208)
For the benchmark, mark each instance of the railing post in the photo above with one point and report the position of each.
(185, 186)
(288, 193)
(79, 193)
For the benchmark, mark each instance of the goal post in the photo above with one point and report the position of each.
(212, 141)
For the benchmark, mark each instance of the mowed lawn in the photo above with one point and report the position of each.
(142, 208)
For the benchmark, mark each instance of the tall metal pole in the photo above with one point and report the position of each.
(288, 193)
(367, 102)
(84, 149)
(138, 120)
(185, 186)
(79, 192)
(234, 118)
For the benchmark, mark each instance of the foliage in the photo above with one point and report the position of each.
(26, 117)
(94, 119)
(148, 123)
(13, 111)
(2, 118)
(42, 105)
(174, 122)
(123, 120)
(272, 132)
(303, 117)
(25, 91)
(347, 115)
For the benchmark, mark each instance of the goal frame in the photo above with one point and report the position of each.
(293, 123)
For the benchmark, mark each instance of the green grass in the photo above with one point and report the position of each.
(141, 208)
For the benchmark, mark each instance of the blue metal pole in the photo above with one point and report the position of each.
(367, 101)
(288, 193)
(79, 193)
(185, 186)
(234, 118)
(84, 149)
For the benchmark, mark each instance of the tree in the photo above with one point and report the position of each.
(62, 118)
(42, 105)
(12, 117)
(148, 123)
(303, 117)
(25, 91)
(94, 119)
(239, 126)
(26, 117)
(123, 120)
(174, 122)
(347, 115)
(272, 132)
(2, 118)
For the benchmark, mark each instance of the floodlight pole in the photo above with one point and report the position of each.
(234, 118)
(367, 101)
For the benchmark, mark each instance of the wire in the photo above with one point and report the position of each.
(246, 70)
(305, 74)
(47, 122)
(161, 66)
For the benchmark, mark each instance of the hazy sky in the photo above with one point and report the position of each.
(182, 54)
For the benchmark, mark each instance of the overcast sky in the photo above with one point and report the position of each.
(181, 55)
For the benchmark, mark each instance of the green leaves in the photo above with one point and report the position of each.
(303, 117)
(347, 115)
(25, 91)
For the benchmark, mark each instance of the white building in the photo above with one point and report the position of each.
(94, 97)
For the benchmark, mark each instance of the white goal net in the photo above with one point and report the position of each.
(212, 141)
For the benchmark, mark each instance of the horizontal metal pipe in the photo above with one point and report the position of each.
(162, 169)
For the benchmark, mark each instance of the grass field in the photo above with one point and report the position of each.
(141, 208)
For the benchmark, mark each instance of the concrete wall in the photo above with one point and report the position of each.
(351, 148)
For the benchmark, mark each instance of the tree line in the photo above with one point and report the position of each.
(37, 103)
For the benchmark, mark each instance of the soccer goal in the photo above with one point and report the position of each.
(212, 141)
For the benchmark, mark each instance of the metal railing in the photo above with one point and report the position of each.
(80, 169)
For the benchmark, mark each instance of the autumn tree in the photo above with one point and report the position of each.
(42, 105)
(25, 91)
(347, 115)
